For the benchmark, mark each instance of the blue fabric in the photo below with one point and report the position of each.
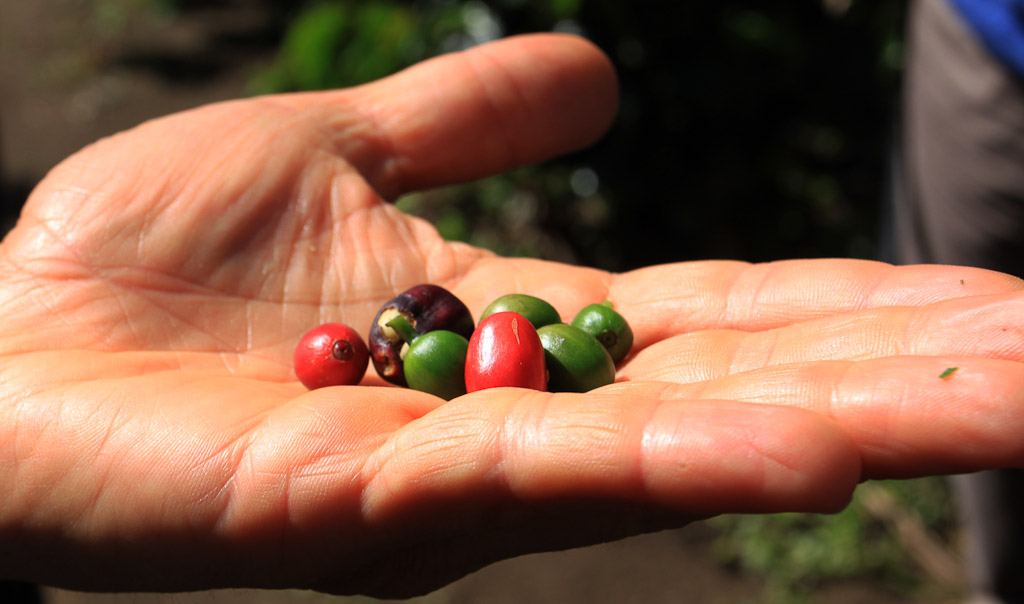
(1000, 26)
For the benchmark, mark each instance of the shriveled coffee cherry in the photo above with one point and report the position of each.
(331, 354)
(538, 312)
(609, 327)
(505, 351)
(426, 307)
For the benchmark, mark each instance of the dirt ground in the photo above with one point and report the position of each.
(75, 71)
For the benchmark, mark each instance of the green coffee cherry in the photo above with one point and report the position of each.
(435, 362)
(575, 360)
(608, 326)
(538, 312)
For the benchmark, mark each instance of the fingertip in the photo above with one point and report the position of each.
(585, 83)
(727, 457)
(834, 466)
(488, 109)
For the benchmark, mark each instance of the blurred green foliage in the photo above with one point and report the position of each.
(335, 44)
(797, 553)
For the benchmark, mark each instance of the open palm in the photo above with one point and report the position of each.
(153, 434)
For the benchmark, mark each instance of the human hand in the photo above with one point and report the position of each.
(154, 437)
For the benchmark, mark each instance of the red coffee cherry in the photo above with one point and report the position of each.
(331, 354)
(505, 350)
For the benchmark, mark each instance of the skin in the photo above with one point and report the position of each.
(153, 435)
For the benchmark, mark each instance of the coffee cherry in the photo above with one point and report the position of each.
(331, 354)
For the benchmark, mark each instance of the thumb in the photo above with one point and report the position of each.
(467, 115)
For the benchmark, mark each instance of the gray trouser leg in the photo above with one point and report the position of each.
(959, 199)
